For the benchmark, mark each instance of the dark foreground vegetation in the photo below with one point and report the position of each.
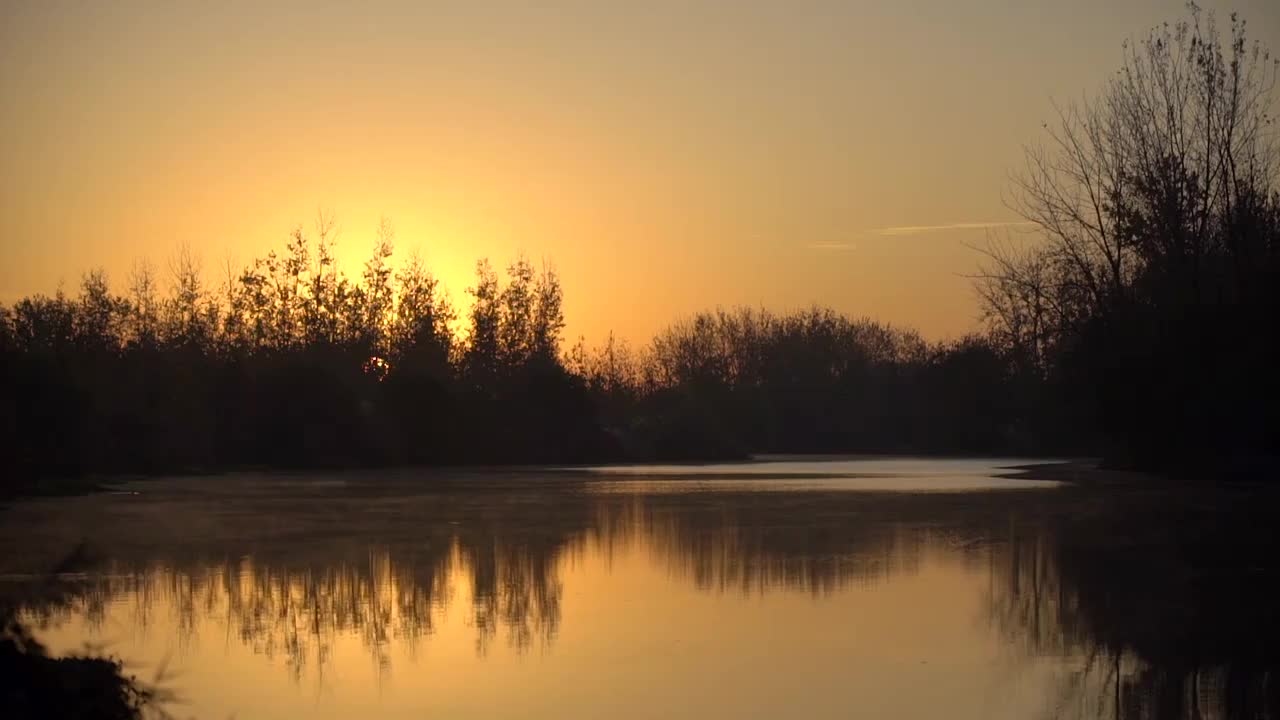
(1139, 322)
(35, 685)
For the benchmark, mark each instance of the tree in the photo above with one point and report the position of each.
(189, 317)
(519, 301)
(1151, 282)
(326, 291)
(375, 297)
(548, 314)
(481, 357)
(99, 317)
(144, 314)
(421, 334)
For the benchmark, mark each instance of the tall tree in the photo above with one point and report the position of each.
(548, 314)
(519, 302)
(1152, 278)
(421, 332)
(481, 357)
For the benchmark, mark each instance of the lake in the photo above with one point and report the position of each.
(880, 588)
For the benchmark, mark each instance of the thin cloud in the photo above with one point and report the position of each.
(832, 246)
(921, 229)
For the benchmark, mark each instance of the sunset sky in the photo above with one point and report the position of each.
(666, 156)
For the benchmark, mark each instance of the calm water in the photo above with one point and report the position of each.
(885, 588)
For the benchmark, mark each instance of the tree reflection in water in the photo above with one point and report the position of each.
(1163, 599)
(1156, 602)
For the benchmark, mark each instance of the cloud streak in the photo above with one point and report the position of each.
(907, 230)
(832, 246)
(922, 229)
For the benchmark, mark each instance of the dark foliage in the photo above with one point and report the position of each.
(812, 381)
(34, 685)
(1150, 295)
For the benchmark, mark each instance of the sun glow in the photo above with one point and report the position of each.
(377, 367)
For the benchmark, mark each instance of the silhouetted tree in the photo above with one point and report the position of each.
(1151, 287)
(481, 357)
(548, 315)
(420, 332)
(375, 295)
(516, 319)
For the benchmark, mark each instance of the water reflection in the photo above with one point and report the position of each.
(1165, 598)
(1129, 603)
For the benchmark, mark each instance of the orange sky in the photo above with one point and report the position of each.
(666, 156)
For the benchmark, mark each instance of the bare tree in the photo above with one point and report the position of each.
(143, 306)
(189, 315)
(1145, 188)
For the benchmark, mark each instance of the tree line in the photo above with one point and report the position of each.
(290, 363)
(1138, 322)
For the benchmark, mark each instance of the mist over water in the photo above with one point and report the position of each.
(906, 475)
